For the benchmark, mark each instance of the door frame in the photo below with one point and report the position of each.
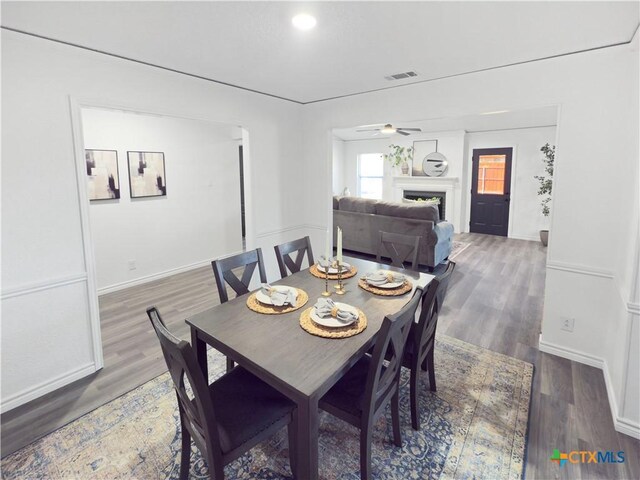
(512, 186)
(76, 104)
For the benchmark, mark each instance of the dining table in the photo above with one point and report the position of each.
(301, 366)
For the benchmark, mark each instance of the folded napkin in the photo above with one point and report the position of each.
(279, 298)
(324, 261)
(325, 307)
(381, 277)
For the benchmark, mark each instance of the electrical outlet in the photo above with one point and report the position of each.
(132, 265)
(567, 324)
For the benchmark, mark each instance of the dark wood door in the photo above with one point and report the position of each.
(491, 191)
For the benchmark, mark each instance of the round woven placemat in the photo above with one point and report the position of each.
(343, 332)
(386, 292)
(332, 276)
(256, 306)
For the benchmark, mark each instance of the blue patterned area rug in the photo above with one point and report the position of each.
(473, 427)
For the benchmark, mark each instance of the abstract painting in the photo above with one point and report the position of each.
(422, 148)
(102, 174)
(146, 174)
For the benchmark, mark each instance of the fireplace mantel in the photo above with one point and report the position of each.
(448, 185)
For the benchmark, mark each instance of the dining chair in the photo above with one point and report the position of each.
(362, 394)
(227, 418)
(419, 352)
(223, 271)
(388, 244)
(284, 251)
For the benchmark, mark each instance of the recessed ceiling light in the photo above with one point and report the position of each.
(303, 21)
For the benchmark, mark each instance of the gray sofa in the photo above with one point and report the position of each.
(362, 219)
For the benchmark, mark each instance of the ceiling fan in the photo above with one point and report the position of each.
(388, 129)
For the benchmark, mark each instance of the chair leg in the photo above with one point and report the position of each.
(185, 455)
(432, 372)
(395, 418)
(230, 364)
(414, 384)
(424, 365)
(365, 452)
(292, 428)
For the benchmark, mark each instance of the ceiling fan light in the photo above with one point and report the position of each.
(388, 129)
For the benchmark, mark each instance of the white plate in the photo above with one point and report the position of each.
(332, 270)
(264, 298)
(389, 285)
(334, 322)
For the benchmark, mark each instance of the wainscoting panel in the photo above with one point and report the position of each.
(37, 318)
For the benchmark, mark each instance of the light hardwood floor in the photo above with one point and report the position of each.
(495, 300)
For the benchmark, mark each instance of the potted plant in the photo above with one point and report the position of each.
(400, 156)
(546, 184)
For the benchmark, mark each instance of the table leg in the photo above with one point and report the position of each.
(200, 347)
(307, 438)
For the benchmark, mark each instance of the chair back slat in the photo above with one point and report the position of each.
(425, 330)
(392, 337)
(399, 248)
(197, 412)
(444, 279)
(223, 271)
(300, 247)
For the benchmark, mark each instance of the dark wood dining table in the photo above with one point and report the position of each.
(301, 366)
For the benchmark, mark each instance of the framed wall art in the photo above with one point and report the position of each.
(103, 182)
(146, 174)
(422, 148)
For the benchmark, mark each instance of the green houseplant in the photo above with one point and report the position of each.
(400, 156)
(546, 185)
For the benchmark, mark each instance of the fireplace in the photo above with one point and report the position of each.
(423, 195)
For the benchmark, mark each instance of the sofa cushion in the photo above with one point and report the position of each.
(358, 205)
(418, 210)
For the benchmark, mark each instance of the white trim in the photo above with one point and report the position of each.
(154, 276)
(569, 353)
(633, 308)
(45, 387)
(579, 269)
(85, 223)
(290, 229)
(529, 238)
(621, 424)
(44, 285)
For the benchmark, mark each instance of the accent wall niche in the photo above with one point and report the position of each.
(193, 211)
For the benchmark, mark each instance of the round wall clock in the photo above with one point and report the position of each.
(435, 164)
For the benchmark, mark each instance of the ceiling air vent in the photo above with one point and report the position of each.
(401, 76)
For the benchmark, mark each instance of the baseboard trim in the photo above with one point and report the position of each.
(48, 386)
(621, 424)
(579, 269)
(570, 354)
(525, 237)
(150, 278)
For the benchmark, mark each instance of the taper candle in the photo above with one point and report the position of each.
(339, 255)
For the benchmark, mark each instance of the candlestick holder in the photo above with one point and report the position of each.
(326, 292)
(340, 286)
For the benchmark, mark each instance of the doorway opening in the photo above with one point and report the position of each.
(491, 191)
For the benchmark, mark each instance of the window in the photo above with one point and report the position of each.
(370, 173)
(491, 172)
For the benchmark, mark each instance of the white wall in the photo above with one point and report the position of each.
(591, 234)
(338, 166)
(525, 214)
(46, 328)
(185, 228)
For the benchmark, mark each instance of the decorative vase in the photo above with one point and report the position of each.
(346, 192)
(404, 168)
(544, 237)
